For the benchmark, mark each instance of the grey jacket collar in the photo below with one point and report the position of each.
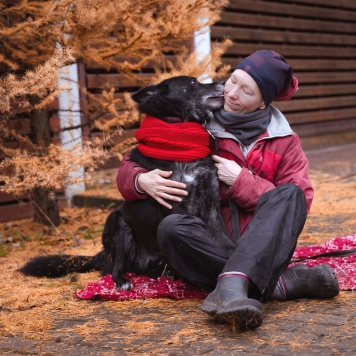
(278, 127)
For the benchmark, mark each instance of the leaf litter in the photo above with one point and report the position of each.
(44, 309)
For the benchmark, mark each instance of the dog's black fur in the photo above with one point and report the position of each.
(129, 237)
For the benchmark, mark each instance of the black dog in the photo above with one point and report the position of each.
(129, 237)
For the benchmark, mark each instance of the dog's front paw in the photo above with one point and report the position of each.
(125, 285)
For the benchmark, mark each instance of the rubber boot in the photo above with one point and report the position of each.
(229, 301)
(317, 282)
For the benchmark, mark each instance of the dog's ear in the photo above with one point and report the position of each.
(145, 93)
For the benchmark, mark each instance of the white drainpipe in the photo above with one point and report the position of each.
(69, 116)
(202, 44)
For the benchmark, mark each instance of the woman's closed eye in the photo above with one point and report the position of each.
(247, 91)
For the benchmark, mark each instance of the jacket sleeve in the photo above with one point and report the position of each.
(293, 168)
(125, 179)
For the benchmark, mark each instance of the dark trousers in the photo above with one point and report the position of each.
(262, 252)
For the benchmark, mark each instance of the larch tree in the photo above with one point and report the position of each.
(38, 37)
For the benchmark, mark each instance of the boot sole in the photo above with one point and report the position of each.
(243, 319)
(244, 314)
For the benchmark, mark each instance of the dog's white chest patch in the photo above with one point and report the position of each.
(189, 178)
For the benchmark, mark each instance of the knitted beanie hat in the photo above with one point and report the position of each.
(273, 75)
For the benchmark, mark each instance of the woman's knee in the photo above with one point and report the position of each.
(292, 189)
(286, 191)
(286, 195)
(168, 229)
(177, 228)
(295, 193)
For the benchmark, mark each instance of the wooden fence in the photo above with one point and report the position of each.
(317, 37)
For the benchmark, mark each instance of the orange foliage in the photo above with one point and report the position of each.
(39, 37)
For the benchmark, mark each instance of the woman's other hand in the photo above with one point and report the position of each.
(228, 170)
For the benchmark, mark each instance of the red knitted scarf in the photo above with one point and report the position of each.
(182, 142)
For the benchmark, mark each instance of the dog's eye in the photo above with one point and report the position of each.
(194, 81)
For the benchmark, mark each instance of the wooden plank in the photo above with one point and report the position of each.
(278, 36)
(305, 90)
(322, 64)
(18, 211)
(300, 51)
(321, 115)
(109, 163)
(100, 201)
(117, 95)
(324, 90)
(295, 10)
(317, 103)
(54, 123)
(340, 4)
(98, 81)
(160, 62)
(16, 145)
(115, 139)
(323, 77)
(5, 197)
(308, 91)
(101, 81)
(54, 105)
(15, 212)
(306, 63)
(23, 126)
(276, 22)
(326, 77)
(323, 128)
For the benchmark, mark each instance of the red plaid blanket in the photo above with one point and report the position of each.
(145, 287)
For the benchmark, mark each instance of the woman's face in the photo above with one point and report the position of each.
(242, 94)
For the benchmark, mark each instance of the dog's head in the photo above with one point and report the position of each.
(179, 99)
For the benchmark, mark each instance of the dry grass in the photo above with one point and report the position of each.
(43, 309)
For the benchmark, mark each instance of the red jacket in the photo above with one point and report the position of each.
(275, 158)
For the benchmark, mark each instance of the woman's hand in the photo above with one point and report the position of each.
(156, 184)
(228, 170)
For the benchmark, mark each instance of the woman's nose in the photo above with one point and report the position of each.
(233, 93)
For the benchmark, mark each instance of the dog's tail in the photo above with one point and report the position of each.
(55, 266)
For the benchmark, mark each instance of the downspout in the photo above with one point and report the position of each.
(202, 45)
(70, 116)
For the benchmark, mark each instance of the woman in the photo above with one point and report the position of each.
(263, 170)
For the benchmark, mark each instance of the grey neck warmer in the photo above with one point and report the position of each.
(245, 127)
